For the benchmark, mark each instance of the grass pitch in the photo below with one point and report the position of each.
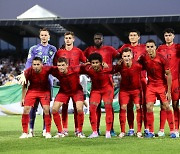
(10, 130)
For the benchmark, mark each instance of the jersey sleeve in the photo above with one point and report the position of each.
(30, 57)
(82, 56)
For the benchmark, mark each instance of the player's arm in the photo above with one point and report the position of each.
(30, 57)
(24, 90)
(169, 83)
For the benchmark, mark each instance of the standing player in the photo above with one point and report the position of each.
(130, 71)
(159, 85)
(102, 89)
(46, 52)
(138, 50)
(69, 87)
(74, 56)
(170, 51)
(107, 53)
(39, 89)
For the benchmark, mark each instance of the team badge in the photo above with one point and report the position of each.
(50, 53)
(40, 53)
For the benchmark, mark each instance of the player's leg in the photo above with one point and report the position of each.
(98, 113)
(124, 98)
(45, 101)
(107, 97)
(130, 118)
(175, 104)
(80, 118)
(75, 118)
(58, 102)
(169, 113)
(25, 121)
(94, 100)
(150, 99)
(32, 116)
(144, 110)
(137, 99)
(65, 117)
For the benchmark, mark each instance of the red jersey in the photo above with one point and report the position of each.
(99, 79)
(69, 83)
(130, 76)
(155, 68)
(107, 53)
(38, 81)
(137, 50)
(171, 53)
(74, 56)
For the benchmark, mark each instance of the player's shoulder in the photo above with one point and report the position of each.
(108, 47)
(89, 48)
(53, 47)
(76, 49)
(34, 47)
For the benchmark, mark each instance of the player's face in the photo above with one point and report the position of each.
(62, 67)
(37, 66)
(127, 57)
(44, 37)
(96, 64)
(98, 40)
(169, 37)
(151, 49)
(69, 40)
(133, 37)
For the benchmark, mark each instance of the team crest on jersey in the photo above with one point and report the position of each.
(50, 53)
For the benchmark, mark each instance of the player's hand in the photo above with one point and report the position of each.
(87, 63)
(22, 102)
(120, 62)
(168, 96)
(21, 79)
(85, 104)
(104, 65)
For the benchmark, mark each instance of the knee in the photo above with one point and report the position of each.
(137, 106)
(149, 107)
(166, 106)
(124, 107)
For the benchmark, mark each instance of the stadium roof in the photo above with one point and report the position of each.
(88, 17)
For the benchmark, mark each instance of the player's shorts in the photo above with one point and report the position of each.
(32, 97)
(154, 92)
(133, 95)
(175, 90)
(64, 97)
(106, 94)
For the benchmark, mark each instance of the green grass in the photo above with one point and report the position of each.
(10, 130)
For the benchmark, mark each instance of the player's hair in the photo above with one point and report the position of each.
(100, 34)
(43, 29)
(62, 59)
(150, 41)
(95, 56)
(69, 33)
(37, 58)
(134, 30)
(169, 30)
(126, 50)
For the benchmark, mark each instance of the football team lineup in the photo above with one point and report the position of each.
(146, 73)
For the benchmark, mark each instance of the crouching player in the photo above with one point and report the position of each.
(101, 89)
(131, 89)
(69, 87)
(37, 90)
